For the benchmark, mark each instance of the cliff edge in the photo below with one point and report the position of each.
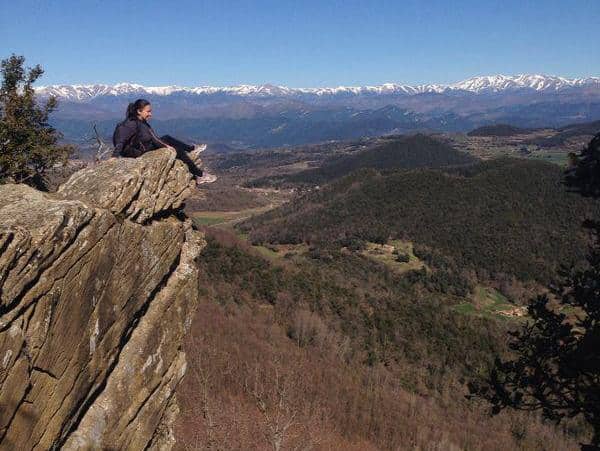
(97, 287)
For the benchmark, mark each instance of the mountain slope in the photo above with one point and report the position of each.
(498, 130)
(505, 216)
(361, 358)
(405, 152)
(581, 132)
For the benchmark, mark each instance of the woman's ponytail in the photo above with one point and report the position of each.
(134, 107)
(131, 113)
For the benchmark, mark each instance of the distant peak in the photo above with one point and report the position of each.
(478, 84)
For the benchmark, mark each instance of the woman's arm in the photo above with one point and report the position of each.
(123, 135)
(156, 141)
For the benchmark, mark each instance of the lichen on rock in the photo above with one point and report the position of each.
(96, 284)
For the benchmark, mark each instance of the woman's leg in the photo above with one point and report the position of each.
(182, 149)
(176, 143)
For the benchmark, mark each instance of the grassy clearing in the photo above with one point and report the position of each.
(208, 221)
(388, 255)
(277, 253)
(267, 253)
(557, 157)
(228, 219)
(488, 302)
(220, 218)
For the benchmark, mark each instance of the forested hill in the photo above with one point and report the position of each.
(398, 152)
(498, 130)
(570, 132)
(504, 216)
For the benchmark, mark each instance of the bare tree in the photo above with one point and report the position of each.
(103, 148)
(276, 398)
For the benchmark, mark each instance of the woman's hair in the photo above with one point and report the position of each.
(134, 107)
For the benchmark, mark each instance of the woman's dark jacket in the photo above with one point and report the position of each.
(133, 137)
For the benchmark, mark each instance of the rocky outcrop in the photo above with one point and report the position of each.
(97, 286)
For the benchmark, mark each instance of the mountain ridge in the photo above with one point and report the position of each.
(476, 85)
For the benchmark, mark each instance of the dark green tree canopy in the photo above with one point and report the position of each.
(28, 144)
(584, 175)
(555, 366)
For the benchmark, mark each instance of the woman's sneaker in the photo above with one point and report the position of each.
(198, 149)
(206, 178)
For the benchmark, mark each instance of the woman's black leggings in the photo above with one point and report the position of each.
(182, 153)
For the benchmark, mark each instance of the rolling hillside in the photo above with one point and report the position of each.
(403, 152)
(499, 217)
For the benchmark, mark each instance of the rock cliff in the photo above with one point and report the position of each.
(97, 286)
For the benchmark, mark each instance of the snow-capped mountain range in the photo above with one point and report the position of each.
(268, 115)
(477, 85)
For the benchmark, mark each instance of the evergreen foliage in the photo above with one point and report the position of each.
(404, 152)
(387, 317)
(498, 130)
(28, 145)
(500, 217)
(556, 362)
(584, 175)
(370, 359)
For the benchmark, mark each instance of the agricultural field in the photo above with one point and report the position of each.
(488, 302)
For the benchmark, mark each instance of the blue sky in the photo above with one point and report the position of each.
(300, 43)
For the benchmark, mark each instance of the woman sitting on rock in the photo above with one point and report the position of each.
(134, 136)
